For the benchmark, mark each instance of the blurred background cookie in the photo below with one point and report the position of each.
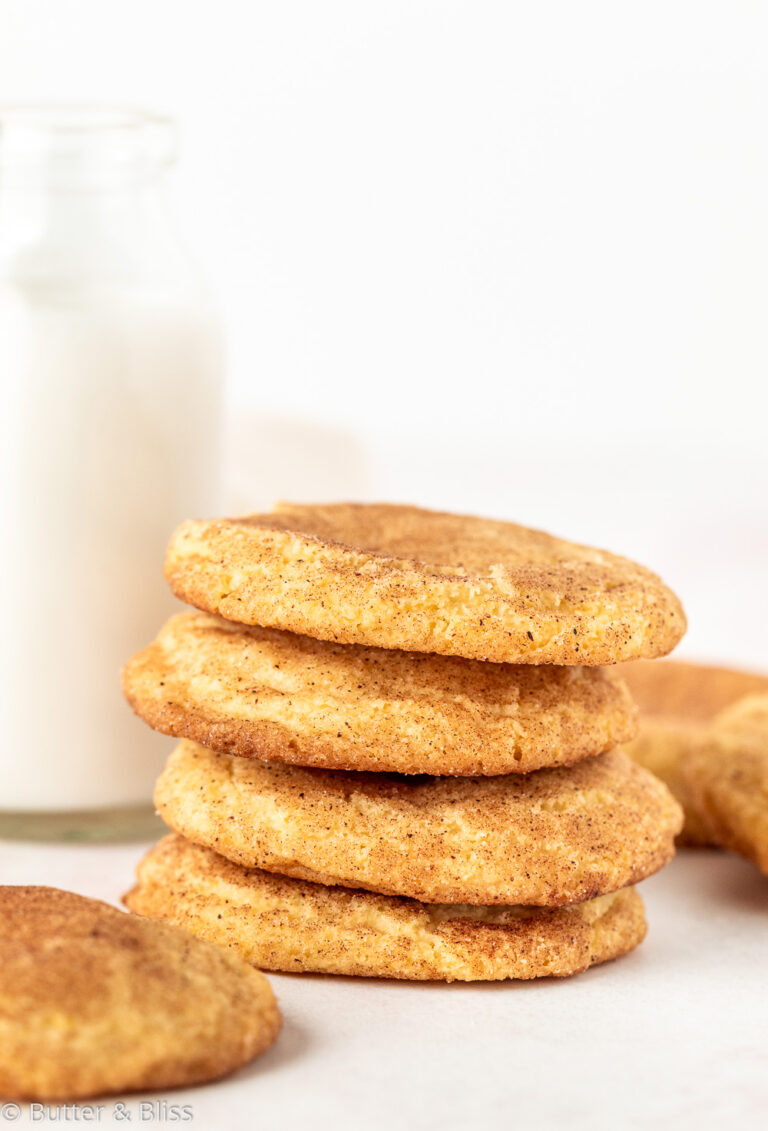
(727, 776)
(678, 702)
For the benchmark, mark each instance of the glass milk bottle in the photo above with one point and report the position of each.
(110, 373)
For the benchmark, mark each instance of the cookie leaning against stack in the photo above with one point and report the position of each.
(704, 731)
(680, 704)
(431, 644)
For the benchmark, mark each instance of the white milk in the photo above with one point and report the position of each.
(109, 436)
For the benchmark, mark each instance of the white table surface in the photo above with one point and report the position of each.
(672, 1036)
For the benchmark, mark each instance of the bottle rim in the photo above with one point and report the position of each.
(72, 139)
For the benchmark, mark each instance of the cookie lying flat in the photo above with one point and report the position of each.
(549, 838)
(94, 1001)
(677, 704)
(283, 924)
(418, 580)
(727, 774)
(261, 693)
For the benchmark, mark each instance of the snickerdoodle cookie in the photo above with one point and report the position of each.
(405, 578)
(94, 1001)
(287, 924)
(548, 838)
(678, 702)
(263, 693)
(727, 775)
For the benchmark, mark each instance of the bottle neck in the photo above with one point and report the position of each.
(80, 191)
(50, 233)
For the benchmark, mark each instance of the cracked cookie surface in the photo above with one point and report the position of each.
(263, 693)
(286, 924)
(548, 838)
(94, 1001)
(418, 580)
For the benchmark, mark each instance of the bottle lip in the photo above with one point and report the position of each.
(84, 144)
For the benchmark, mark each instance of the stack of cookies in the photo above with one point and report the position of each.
(398, 753)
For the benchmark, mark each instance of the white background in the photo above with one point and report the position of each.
(494, 256)
(508, 257)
